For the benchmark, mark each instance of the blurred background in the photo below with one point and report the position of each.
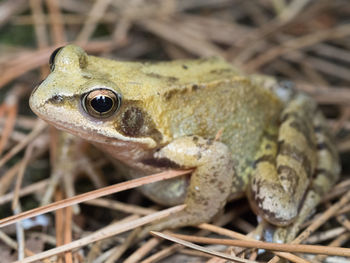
(305, 41)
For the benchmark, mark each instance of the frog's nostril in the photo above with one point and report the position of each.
(56, 99)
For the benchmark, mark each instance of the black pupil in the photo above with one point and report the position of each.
(102, 103)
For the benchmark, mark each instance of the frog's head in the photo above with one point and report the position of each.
(81, 97)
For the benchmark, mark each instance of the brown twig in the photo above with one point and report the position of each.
(142, 251)
(296, 248)
(93, 195)
(35, 132)
(106, 232)
(199, 248)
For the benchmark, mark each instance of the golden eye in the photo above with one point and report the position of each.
(101, 103)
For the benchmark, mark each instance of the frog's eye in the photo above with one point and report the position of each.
(52, 58)
(101, 103)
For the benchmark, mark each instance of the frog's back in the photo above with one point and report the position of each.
(203, 97)
(144, 79)
(238, 108)
(199, 97)
(184, 72)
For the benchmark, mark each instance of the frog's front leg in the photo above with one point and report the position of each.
(210, 184)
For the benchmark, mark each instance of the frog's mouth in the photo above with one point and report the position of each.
(124, 150)
(85, 133)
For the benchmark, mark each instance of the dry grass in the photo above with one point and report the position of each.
(302, 40)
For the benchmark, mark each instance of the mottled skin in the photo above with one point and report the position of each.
(274, 141)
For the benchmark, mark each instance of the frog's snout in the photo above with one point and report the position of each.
(35, 88)
(36, 101)
(32, 99)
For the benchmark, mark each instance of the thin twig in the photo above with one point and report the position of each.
(143, 250)
(295, 248)
(199, 248)
(103, 233)
(92, 195)
(41, 125)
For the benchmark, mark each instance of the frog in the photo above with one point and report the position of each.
(240, 134)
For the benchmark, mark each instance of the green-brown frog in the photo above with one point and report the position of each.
(273, 145)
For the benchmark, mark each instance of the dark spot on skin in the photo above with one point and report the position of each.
(195, 139)
(172, 79)
(184, 67)
(180, 91)
(284, 117)
(258, 204)
(196, 197)
(303, 128)
(289, 115)
(161, 163)
(290, 175)
(270, 136)
(296, 154)
(170, 93)
(220, 71)
(265, 158)
(132, 121)
(56, 99)
(219, 184)
(222, 189)
(60, 99)
(155, 75)
(199, 155)
(87, 76)
(268, 146)
(83, 61)
(158, 76)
